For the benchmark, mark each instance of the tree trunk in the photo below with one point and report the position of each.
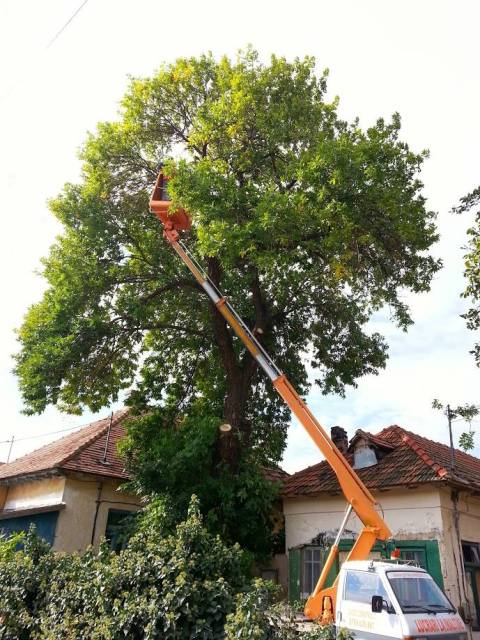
(239, 377)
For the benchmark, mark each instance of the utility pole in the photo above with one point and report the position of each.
(452, 449)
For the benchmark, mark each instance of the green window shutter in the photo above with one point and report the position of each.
(434, 566)
(294, 558)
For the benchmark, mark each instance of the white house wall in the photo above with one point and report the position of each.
(410, 514)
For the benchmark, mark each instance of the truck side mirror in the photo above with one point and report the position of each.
(377, 604)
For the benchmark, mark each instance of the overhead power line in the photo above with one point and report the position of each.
(60, 31)
(37, 60)
(39, 435)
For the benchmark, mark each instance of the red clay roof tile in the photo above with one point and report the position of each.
(413, 460)
(82, 451)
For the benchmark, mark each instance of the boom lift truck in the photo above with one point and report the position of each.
(324, 604)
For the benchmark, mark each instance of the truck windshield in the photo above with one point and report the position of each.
(417, 592)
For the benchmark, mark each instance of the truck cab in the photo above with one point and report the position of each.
(380, 600)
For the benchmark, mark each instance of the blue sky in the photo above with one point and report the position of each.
(416, 58)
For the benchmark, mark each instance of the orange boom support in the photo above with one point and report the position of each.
(321, 604)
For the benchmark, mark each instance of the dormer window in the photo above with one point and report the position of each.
(364, 455)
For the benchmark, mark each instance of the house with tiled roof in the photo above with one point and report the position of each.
(428, 493)
(69, 488)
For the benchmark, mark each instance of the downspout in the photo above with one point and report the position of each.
(461, 578)
(97, 507)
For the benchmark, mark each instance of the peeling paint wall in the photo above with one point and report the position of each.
(77, 521)
(38, 493)
(468, 509)
(410, 513)
(424, 513)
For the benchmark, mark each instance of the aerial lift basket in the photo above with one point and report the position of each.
(160, 202)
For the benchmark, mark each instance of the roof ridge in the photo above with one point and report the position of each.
(443, 444)
(112, 422)
(311, 466)
(422, 454)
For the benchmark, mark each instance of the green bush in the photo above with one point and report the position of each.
(180, 587)
(185, 586)
(257, 618)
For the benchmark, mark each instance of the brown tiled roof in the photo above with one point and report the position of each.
(275, 474)
(375, 440)
(413, 460)
(82, 451)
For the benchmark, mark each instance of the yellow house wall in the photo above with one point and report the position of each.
(38, 493)
(76, 521)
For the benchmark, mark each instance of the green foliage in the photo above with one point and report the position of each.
(8, 545)
(25, 579)
(472, 265)
(173, 459)
(465, 412)
(309, 223)
(182, 586)
(255, 618)
(466, 440)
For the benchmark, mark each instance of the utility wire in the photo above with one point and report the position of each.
(40, 435)
(38, 60)
(60, 31)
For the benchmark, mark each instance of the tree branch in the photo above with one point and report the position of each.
(181, 283)
(153, 326)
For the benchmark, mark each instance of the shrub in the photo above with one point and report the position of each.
(180, 587)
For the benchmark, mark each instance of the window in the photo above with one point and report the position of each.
(471, 552)
(473, 591)
(45, 524)
(471, 560)
(312, 565)
(416, 556)
(360, 586)
(417, 591)
(116, 532)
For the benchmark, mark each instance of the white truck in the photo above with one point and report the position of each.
(379, 600)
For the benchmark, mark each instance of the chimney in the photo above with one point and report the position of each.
(340, 438)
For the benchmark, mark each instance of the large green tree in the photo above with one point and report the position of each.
(308, 223)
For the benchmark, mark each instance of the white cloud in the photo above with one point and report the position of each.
(417, 58)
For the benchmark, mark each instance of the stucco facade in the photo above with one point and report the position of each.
(438, 514)
(408, 513)
(35, 493)
(70, 488)
(78, 507)
(83, 521)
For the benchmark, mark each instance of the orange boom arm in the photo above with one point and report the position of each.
(321, 604)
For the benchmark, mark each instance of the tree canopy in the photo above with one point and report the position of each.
(472, 266)
(308, 223)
